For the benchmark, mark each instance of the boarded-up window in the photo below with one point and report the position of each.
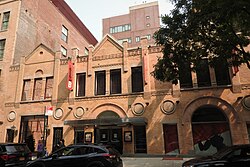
(49, 88)
(37, 89)
(26, 90)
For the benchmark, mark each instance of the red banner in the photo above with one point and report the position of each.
(69, 83)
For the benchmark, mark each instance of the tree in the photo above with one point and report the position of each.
(216, 30)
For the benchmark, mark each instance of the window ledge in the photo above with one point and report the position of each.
(209, 87)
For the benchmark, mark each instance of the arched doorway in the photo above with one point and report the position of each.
(108, 132)
(210, 130)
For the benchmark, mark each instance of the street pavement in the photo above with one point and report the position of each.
(150, 162)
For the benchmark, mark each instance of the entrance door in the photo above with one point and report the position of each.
(140, 139)
(58, 135)
(109, 135)
(171, 139)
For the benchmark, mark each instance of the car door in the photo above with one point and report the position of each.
(241, 158)
(61, 158)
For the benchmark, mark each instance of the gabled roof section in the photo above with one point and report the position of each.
(105, 45)
(40, 54)
(75, 21)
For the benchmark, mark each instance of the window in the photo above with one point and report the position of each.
(120, 41)
(222, 74)
(203, 75)
(5, 23)
(185, 75)
(100, 81)
(115, 81)
(64, 34)
(64, 51)
(10, 135)
(37, 89)
(147, 17)
(148, 24)
(26, 90)
(86, 52)
(137, 80)
(48, 87)
(137, 39)
(121, 28)
(148, 36)
(2, 46)
(80, 84)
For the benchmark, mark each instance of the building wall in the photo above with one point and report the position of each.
(144, 20)
(32, 23)
(107, 55)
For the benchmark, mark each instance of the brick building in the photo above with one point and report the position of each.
(142, 20)
(112, 98)
(25, 25)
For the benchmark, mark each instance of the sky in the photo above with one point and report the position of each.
(92, 12)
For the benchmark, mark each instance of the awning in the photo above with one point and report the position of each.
(108, 121)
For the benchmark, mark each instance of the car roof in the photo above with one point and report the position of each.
(241, 146)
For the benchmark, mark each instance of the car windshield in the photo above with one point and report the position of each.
(222, 153)
(17, 148)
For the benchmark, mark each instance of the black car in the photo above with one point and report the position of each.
(14, 154)
(82, 155)
(233, 156)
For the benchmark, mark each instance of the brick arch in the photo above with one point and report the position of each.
(223, 105)
(108, 107)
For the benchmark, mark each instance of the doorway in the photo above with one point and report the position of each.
(140, 139)
(210, 129)
(109, 135)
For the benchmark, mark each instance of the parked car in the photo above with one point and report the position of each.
(86, 155)
(233, 156)
(14, 154)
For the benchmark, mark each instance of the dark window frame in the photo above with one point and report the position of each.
(2, 48)
(137, 79)
(5, 21)
(80, 84)
(185, 76)
(203, 74)
(100, 82)
(115, 81)
(64, 35)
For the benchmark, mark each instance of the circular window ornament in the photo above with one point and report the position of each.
(168, 107)
(79, 112)
(58, 113)
(138, 109)
(12, 116)
(246, 102)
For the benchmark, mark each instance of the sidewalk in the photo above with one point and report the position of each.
(151, 162)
